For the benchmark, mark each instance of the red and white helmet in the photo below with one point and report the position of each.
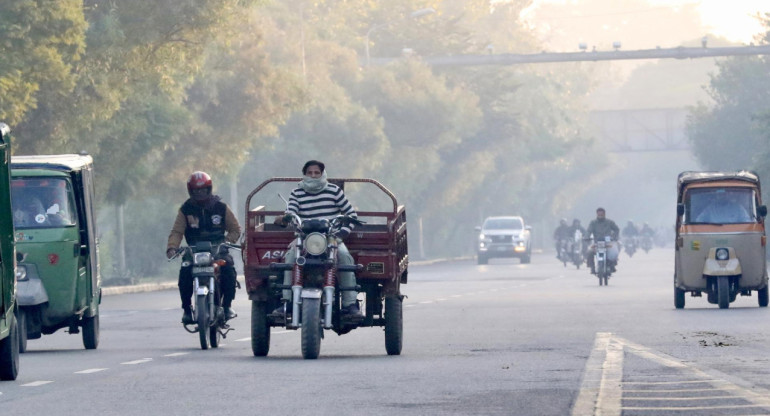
(199, 186)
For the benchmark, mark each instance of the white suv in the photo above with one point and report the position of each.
(504, 237)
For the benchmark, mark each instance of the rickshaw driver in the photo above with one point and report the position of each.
(315, 197)
(602, 227)
(724, 209)
(204, 217)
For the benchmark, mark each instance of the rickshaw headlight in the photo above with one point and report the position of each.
(315, 244)
(722, 254)
(21, 273)
(202, 259)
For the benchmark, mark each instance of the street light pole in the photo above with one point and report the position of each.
(414, 15)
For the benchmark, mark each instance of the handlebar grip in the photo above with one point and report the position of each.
(350, 268)
(281, 266)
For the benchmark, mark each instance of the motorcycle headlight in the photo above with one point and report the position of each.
(21, 273)
(315, 244)
(202, 259)
(722, 254)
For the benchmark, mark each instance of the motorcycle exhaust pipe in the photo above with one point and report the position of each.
(328, 303)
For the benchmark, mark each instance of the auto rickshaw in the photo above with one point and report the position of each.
(9, 330)
(720, 237)
(58, 275)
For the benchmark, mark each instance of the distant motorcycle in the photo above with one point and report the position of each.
(577, 249)
(602, 261)
(565, 251)
(629, 245)
(646, 243)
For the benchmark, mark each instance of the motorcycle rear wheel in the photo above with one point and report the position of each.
(260, 329)
(762, 297)
(91, 332)
(311, 328)
(394, 323)
(202, 311)
(723, 292)
(9, 354)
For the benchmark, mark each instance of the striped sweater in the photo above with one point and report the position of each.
(328, 203)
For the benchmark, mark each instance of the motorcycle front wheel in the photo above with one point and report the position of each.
(202, 310)
(311, 328)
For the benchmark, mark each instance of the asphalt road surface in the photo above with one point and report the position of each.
(499, 339)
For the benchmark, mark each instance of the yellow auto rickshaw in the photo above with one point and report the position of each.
(720, 237)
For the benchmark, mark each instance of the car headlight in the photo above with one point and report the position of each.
(482, 237)
(21, 273)
(722, 254)
(202, 259)
(315, 244)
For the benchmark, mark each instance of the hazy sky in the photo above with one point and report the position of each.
(636, 22)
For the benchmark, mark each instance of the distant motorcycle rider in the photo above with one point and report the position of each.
(576, 226)
(630, 230)
(204, 217)
(600, 228)
(561, 233)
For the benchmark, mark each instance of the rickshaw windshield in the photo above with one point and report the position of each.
(503, 224)
(720, 206)
(42, 203)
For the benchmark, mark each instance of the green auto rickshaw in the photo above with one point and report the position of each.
(58, 274)
(9, 331)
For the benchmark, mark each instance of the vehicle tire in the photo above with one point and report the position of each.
(481, 259)
(762, 296)
(202, 312)
(527, 258)
(723, 292)
(91, 332)
(311, 328)
(214, 336)
(260, 330)
(606, 280)
(678, 298)
(21, 320)
(9, 354)
(394, 325)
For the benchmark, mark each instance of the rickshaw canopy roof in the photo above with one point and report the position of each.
(691, 177)
(67, 162)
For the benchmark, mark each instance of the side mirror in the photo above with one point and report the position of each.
(477, 228)
(762, 210)
(679, 210)
(528, 227)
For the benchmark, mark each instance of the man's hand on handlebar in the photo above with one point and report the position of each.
(282, 220)
(170, 253)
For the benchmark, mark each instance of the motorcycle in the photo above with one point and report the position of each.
(316, 300)
(565, 251)
(646, 243)
(207, 311)
(629, 245)
(602, 260)
(577, 249)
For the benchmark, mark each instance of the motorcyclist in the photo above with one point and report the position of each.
(576, 226)
(315, 197)
(647, 231)
(204, 217)
(630, 230)
(600, 228)
(561, 233)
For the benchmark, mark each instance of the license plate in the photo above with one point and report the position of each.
(209, 269)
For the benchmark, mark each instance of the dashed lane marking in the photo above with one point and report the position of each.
(456, 296)
(90, 371)
(441, 299)
(176, 354)
(37, 383)
(426, 301)
(135, 362)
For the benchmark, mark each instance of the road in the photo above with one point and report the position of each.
(499, 339)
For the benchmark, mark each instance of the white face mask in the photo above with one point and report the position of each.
(313, 185)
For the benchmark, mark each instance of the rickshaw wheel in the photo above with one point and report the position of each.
(9, 354)
(762, 297)
(394, 325)
(723, 292)
(311, 328)
(678, 298)
(21, 320)
(260, 330)
(202, 310)
(91, 332)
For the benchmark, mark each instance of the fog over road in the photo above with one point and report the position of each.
(499, 339)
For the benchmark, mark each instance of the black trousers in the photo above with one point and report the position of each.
(226, 284)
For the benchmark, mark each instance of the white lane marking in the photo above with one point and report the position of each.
(176, 354)
(691, 398)
(427, 301)
(652, 383)
(441, 299)
(408, 306)
(589, 387)
(608, 401)
(142, 361)
(672, 408)
(456, 296)
(168, 309)
(90, 370)
(36, 383)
